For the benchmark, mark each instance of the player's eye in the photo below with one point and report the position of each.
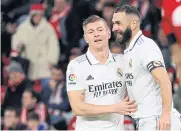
(118, 23)
(100, 29)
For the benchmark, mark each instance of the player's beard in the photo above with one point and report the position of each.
(126, 36)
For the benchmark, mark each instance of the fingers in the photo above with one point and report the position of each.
(164, 126)
(131, 102)
(132, 110)
(126, 107)
(133, 106)
(126, 113)
(168, 126)
(161, 126)
(126, 99)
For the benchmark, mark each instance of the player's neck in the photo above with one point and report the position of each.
(100, 55)
(132, 37)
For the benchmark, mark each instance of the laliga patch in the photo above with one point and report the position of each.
(72, 79)
(154, 64)
(119, 72)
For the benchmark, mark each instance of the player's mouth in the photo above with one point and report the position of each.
(97, 40)
(119, 35)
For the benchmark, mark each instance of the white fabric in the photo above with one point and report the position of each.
(141, 85)
(103, 85)
(151, 123)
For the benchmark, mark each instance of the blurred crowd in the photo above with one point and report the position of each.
(40, 37)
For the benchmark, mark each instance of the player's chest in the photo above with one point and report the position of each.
(132, 65)
(99, 74)
(102, 81)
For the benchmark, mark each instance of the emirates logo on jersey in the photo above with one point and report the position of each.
(104, 89)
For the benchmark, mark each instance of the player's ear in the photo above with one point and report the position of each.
(134, 24)
(109, 33)
(85, 38)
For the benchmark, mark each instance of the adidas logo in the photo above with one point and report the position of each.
(90, 78)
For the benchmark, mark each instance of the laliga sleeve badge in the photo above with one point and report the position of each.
(72, 79)
(119, 72)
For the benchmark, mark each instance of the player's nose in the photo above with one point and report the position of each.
(114, 28)
(96, 34)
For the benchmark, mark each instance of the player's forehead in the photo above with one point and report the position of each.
(119, 16)
(96, 25)
(9, 112)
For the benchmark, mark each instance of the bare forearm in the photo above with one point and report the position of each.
(166, 93)
(84, 109)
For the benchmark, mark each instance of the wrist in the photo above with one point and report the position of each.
(164, 111)
(114, 108)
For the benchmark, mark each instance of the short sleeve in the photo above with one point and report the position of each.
(151, 56)
(74, 79)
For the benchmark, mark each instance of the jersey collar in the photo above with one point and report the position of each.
(133, 42)
(93, 61)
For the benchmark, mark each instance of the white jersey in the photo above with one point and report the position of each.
(141, 57)
(103, 85)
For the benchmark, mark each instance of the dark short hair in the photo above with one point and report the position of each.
(128, 9)
(112, 45)
(58, 67)
(13, 109)
(33, 116)
(33, 93)
(92, 19)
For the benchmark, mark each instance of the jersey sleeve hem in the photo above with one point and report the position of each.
(76, 89)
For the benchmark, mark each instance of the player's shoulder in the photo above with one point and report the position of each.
(118, 57)
(78, 61)
(147, 43)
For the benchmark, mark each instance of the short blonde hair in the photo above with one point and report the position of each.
(92, 19)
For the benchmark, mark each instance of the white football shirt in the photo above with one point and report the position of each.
(141, 57)
(103, 84)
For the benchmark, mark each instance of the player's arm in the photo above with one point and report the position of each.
(161, 76)
(75, 88)
(80, 108)
(153, 61)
